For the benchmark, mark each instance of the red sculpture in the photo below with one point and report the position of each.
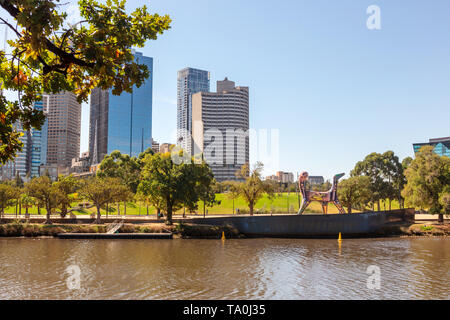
(323, 197)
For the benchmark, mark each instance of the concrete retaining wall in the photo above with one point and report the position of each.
(357, 224)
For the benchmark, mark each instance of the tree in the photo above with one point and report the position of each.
(172, 185)
(46, 193)
(66, 185)
(386, 176)
(428, 178)
(354, 192)
(393, 172)
(444, 199)
(232, 190)
(406, 162)
(7, 197)
(102, 191)
(204, 186)
(51, 55)
(253, 187)
(122, 166)
(27, 202)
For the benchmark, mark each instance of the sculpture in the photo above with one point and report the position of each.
(323, 197)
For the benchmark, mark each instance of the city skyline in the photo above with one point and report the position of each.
(326, 75)
(370, 90)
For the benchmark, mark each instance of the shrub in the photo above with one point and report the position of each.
(127, 228)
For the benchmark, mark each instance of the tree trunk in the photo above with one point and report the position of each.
(250, 206)
(169, 215)
(20, 208)
(48, 220)
(125, 208)
(107, 210)
(390, 205)
(204, 210)
(99, 216)
(349, 209)
(147, 208)
(441, 218)
(26, 210)
(233, 207)
(118, 208)
(39, 210)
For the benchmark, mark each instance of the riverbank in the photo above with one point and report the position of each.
(196, 231)
(179, 230)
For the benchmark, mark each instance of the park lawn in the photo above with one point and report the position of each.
(279, 204)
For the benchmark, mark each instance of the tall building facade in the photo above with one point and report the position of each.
(441, 146)
(189, 81)
(21, 163)
(220, 124)
(64, 127)
(122, 122)
(39, 140)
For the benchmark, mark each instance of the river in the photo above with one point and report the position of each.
(409, 268)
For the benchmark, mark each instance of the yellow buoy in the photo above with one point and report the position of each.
(223, 235)
(340, 237)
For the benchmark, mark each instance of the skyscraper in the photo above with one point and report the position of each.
(220, 124)
(21, 163)
(39, 140)
(122, 122)
(64, 127)
(190, 81)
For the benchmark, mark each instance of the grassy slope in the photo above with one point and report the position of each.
(279, 204)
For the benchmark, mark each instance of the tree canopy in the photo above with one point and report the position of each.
(253, 187)
(428, 184)
(173, 185)
(385, 172)
(50, 55)
(354, 192)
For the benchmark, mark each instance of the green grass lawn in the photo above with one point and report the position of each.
(279, 204)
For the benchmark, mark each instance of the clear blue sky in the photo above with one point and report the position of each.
(335, 90)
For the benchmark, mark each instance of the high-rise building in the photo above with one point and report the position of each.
(166, 147)
(123, 122)
(39, 140)
(441, 146)
(155, 146)
(21, 163)
(283, 177)
(64, 126)
(220, 124)
(190, 81)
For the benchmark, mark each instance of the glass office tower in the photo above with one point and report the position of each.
(39, 143)
(123, 122)
(441, 146)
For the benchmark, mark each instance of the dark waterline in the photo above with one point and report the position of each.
(236, 269)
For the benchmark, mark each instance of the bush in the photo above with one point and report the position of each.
(207, 231)
(127, 228)
(31, 230)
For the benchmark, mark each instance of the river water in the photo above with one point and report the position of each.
(410, 268)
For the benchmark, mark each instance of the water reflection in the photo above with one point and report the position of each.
(231, 269)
